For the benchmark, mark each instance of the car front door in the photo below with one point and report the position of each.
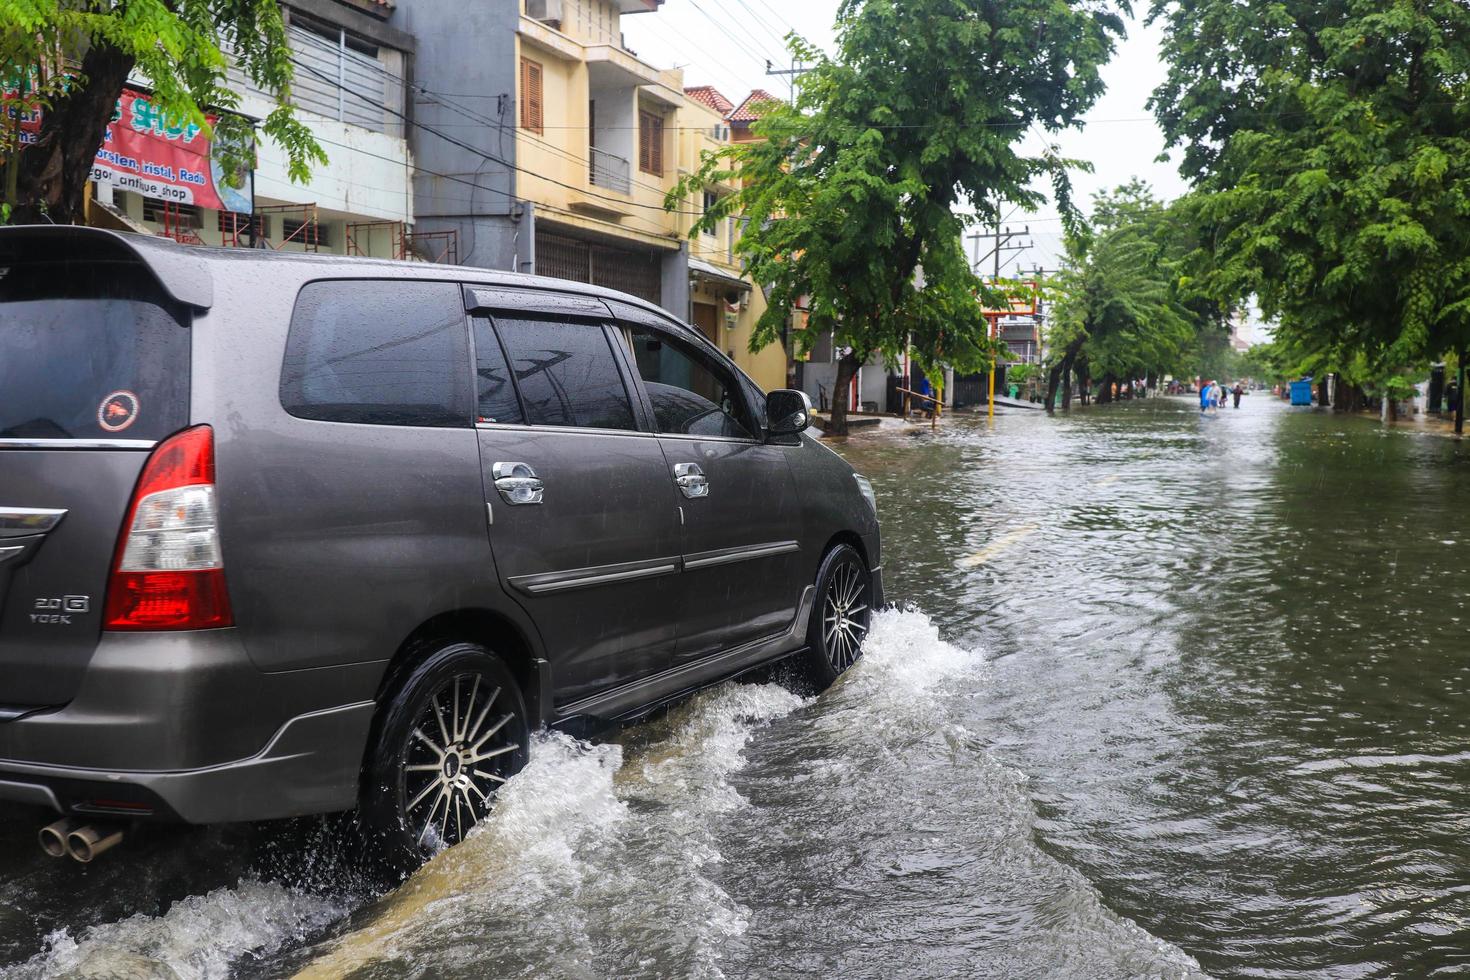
(584, 522)
(741, 518)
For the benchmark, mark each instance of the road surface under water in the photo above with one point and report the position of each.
(1168, 696)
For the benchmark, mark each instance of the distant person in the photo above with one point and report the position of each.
(1236, 392)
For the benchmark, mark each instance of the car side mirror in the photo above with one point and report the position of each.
(788, 412)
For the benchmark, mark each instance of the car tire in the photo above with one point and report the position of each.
(841, 615)
(452, 729)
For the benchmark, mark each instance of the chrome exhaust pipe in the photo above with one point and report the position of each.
(89, 840)
(53, 836)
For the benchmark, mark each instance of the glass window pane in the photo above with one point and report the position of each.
(495, 390)
(378, 352)
(567, 374)
(90, 350)
(691, 393)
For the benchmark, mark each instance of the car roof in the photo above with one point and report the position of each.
(181, 269)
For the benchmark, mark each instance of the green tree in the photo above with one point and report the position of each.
(176, 45)
(864, 180)
(1121, 308)
(1327, 142)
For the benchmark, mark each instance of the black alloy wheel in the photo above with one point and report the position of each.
(841, 617)
(453, 733)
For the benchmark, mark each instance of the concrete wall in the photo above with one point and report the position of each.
(368, 175)
(466, 65)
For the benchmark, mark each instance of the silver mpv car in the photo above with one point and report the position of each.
(283, 535)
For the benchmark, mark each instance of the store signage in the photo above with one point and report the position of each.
(161, 156)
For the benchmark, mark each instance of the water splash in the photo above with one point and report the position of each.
(198, 938)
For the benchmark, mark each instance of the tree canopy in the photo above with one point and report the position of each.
(69, 60)
(866, 178)
(1122, 308)
(1327, 142)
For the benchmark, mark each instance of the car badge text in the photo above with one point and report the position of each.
(60, 610)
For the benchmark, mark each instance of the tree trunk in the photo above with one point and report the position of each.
(1105, 390)
(52, 178)
(1460, 390)
(847, 369)
(1062, 371)
(1322, 400)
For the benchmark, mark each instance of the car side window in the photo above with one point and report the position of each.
(691, 393)
(566, 373)
(495, 392)
(379, 352)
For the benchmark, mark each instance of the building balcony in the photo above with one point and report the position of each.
(610, 171)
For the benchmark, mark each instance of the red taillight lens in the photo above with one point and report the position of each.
(167, 573)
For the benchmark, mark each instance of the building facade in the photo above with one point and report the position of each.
(352, 67)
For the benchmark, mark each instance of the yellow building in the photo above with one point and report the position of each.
(723, 303)
(601, 138)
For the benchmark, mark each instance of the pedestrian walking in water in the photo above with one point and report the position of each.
(1236, 392)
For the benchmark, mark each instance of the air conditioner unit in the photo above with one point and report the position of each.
(544, 9)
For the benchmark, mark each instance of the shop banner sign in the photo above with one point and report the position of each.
(164, 157)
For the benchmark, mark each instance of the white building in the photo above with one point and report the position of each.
(350, 90)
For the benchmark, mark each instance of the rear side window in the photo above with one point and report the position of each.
(378, 352)
(566, 373)
(90, 350)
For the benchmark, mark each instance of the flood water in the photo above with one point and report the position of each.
(1166, 697)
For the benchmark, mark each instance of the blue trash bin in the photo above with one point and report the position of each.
(1301, 392)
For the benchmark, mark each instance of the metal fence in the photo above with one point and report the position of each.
(611, 172)
(336, 81)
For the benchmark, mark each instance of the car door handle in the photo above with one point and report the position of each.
(691, 479)
(518, 483)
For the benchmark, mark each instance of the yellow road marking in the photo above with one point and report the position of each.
(999, 545)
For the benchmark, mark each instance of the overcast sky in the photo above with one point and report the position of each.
(726, 43)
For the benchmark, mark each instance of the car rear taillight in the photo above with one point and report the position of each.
(167, 573)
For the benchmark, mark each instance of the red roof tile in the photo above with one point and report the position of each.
(750, 109)
(710, 96)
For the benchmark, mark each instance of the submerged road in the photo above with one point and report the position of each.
(1166, 697)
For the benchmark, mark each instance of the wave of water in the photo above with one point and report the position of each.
(201, 936)
(749, 832)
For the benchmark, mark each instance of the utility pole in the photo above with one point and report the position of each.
(1002, 244)
(790, 74)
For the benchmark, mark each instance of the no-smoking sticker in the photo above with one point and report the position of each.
(118, 411)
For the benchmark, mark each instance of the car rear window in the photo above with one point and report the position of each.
(379, 352)
(90, 350)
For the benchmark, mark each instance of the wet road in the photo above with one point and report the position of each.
(1174, 696)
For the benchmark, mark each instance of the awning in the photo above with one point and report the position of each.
(713, 273)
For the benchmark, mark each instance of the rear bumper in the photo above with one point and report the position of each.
(311, 766)
(183, 726)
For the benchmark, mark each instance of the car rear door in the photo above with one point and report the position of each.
(741, 516)
(94, 370)
(584, 518)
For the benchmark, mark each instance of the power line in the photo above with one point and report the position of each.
(491, 157)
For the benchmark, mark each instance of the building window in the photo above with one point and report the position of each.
(161, 212)
(235, 223)
(651, 143)
(532, 113)
(710, 200)
(303, 232)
